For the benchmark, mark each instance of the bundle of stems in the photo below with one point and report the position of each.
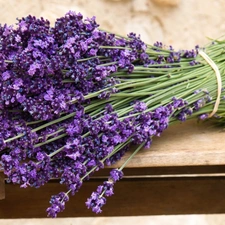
(74, 98)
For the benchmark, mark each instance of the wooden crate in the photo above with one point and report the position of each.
(182, 173)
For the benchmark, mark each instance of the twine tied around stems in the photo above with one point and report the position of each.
(218, 77)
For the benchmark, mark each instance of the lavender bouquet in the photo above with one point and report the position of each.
(73, 98)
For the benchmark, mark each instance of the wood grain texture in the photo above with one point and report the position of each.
(2, 186)
(132, 197)
(188, 148)
(186, 144)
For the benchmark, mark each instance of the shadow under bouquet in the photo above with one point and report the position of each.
(74, 98)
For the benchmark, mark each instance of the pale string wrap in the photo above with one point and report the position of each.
(219, 80)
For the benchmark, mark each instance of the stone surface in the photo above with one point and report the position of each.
(183, 25)
(167, 2)
(147, 220)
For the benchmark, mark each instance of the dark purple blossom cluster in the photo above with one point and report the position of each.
(97, 199)
(106, 134)
(58, 204)
(88, 144)
(57, 117)
(42, 66)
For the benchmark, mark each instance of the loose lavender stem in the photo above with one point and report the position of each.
(132, 155)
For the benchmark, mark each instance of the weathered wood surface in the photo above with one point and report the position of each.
(132, 197)
(2, 186)
(182, 173)
(187, 144)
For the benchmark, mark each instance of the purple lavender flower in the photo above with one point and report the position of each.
(190, 54)
(199, 104)
(6, 75)
(140, 106)
(116, 175)
(203, 116)
(174, 57)
(97, 199)
(33, 68)
(49, 72)
(71, 179)
(49, 94)
(95, 202)
(3, 65)
(57, 204)
(158, 44)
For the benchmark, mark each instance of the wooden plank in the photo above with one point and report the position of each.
(182, 145)
(160, 171)
(132, 197)
(2, 186)
(186, 144)
(202, 152)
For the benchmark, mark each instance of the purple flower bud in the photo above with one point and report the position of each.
(6, 75)
(57, 204)
(203, 116)
(116, 175)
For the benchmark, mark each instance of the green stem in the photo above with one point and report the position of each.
(132, 155)
(50, 140)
